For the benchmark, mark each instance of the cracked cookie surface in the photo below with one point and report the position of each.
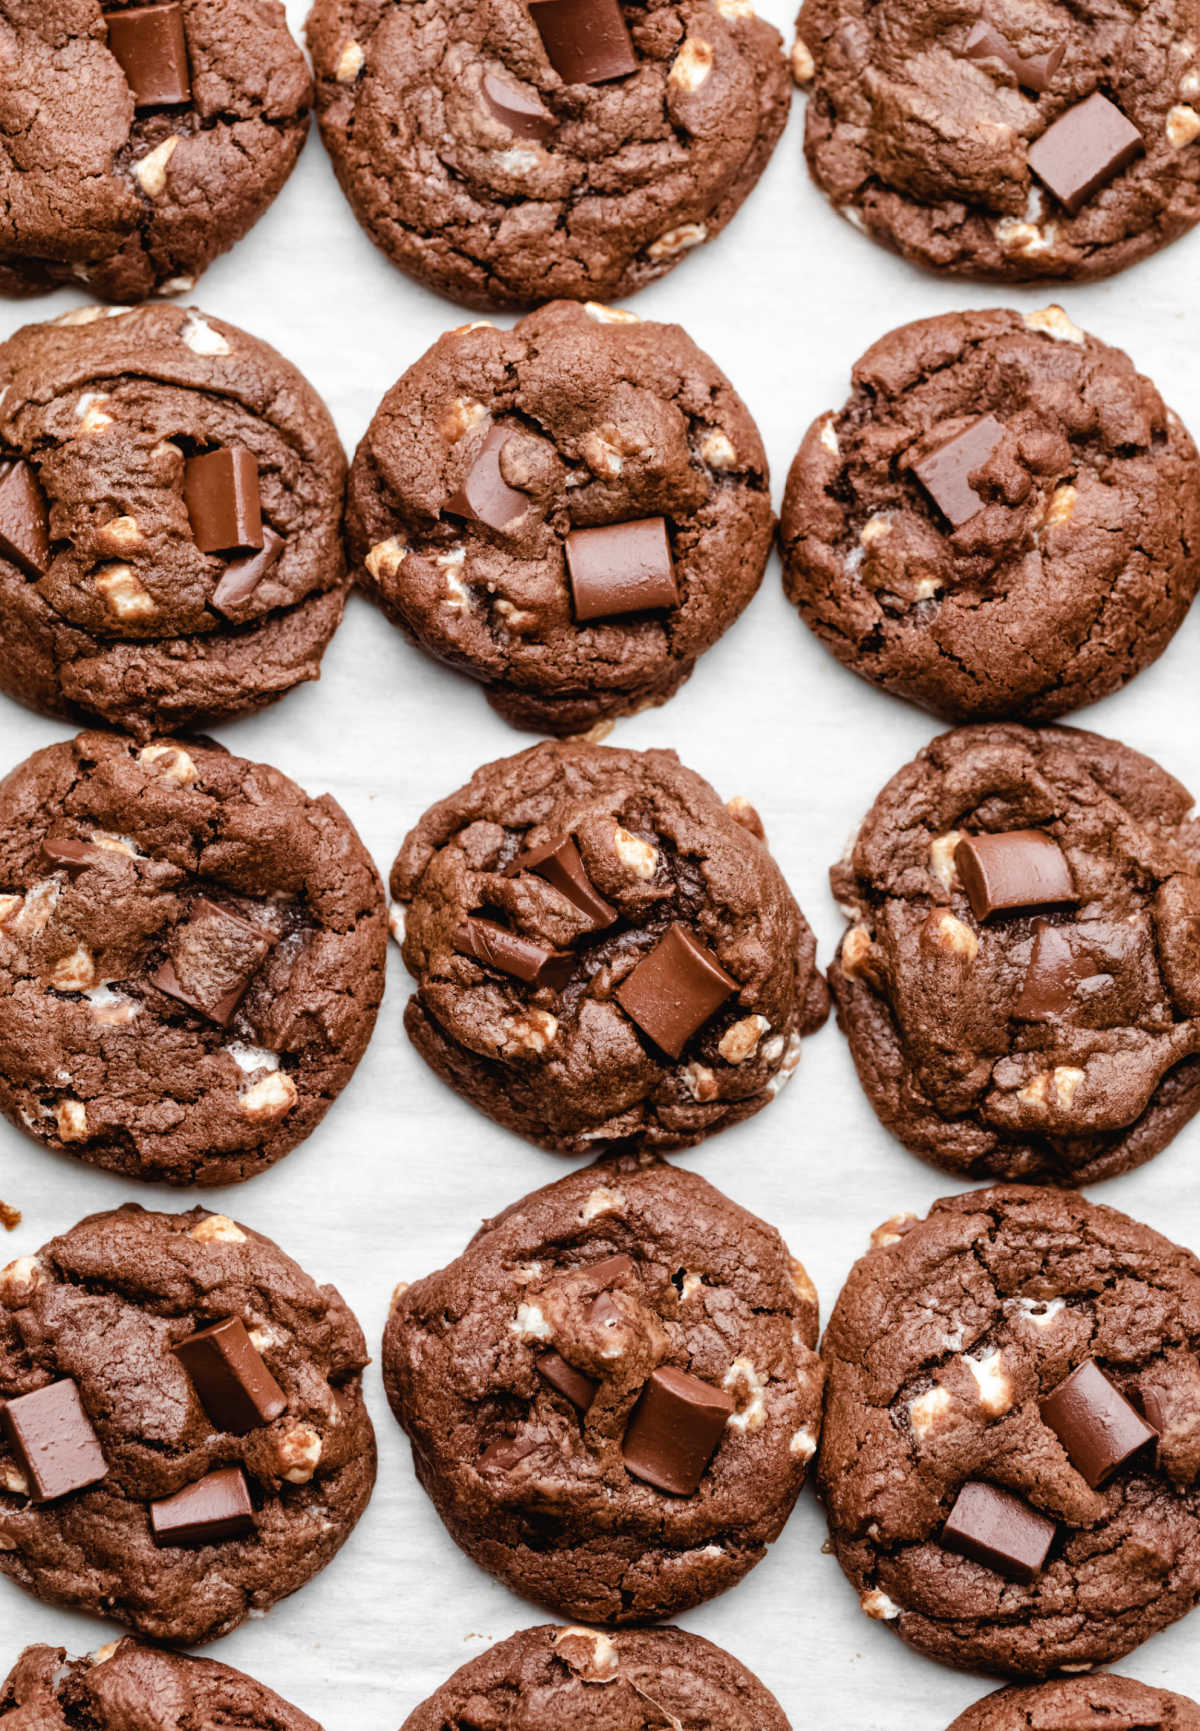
(1078, 555)
(597, 189)
(1052, 1043)
(618, 1269)
(559, 1057)
(191, 957)
(609, 421)
(121, 616)
(104, 1305)
(1105, 1703)
(941, 1345)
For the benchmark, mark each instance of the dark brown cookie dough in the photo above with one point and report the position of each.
(1052, 1041)
(109, 607)
(556, 1679)
(191, 957)
(539, 1379)
(551, 1027)
(485, 174)
(121, 190)
(1003, 520)
(1103, 1703)
(1017, 139)
(97, 1315)
(128, 1687)
(944, 1343)
(607, 423)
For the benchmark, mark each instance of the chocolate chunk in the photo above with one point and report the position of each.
(945, 473)
(675, 989)
(675, 1429)
(485, 496)
(580, 1390)
(621, 568)
(1052, 976)
(559, 863)
(235, 1388)
(221, 491)
(1083, 150)
(605, 1273)
(586, 41)
(1024, 868)
(149, 44)
(999, 1531)
(1094, 1422)
(64, 853)
(241, 577)
(522, 958)
(24, 523)
(216, 1507)
(502, 1456)
(53, 1440)
(213, 957)
(1031, 71)
(517, 108)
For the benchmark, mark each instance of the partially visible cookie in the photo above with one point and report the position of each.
(170, 520)
(1002, 521)
(183, 1439)
(191, 957)
(1020, 981)
(605, 955)
(613, 1393)
(1102, 1703)
(128, 1687)
(571, 511)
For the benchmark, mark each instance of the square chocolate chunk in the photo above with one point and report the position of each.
(234, 1386)
(621, 568)
(1085, 148)
(221, 492)
(24, 521)
(675, 989)
(675, 1429)
(149, 44)
(1095, 1424)
(53, 1440)
(212, 958)
(586, 41)
(945, 472)
(996, 1529)
(216, 1507)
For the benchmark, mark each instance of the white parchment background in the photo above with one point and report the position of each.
(401, 1171)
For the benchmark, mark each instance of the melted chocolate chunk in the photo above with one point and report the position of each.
(586, 41)
(484, 495)
(521, 958)
(213, 957)
(945, 473)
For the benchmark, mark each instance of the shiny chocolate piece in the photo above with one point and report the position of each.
(998, 1530)
(241, 577)
(559, 863)
(64, 853)
(521, 958)
(213, 956)
(1023, 868)
(1085, 148)
(516, 107)
(675, 989)
(605, 1273)
(216, 1507)
(1095, 1424)
(503, 1455)
(621, 568)
(586, 41)
(24, 520)
(485, 496)
(53, 1440)
(221, 492)
(234, 1386)
(675, 1429)
(1031, 71)
(945, 473)
(1054, 973)
(580, 1390)
(149, 45)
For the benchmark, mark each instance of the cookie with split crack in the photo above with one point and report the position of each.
(1103, 1703)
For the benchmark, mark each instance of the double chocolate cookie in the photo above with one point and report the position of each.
(1012, 1432)
(553, 1679)
(139, 142)
(170, 534)
(612, 1394)
(1104, 1703)
(1008, 139)
(571, 512)
(604, 953)
(1002, 521)
(191, 957)
(509, 154)
(128, 1687)
(183, 1439)
(1020, 982)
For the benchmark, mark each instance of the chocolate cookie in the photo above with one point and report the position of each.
(1020, 982)
(1002, 521)
(604, 953)
(127, 1687)
(1014, 139)
(1104, 1703)
(184, 1439)
(509, 154)
(612, 1395)
(1011, 1434)
(139, 142)
(191, 957)
(570, 512)
(170, 535)
(553, 1679)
